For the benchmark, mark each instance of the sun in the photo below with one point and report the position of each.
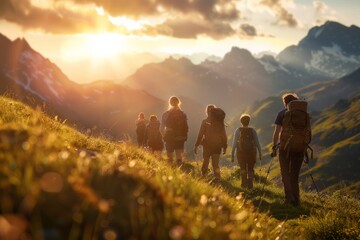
(103, 45)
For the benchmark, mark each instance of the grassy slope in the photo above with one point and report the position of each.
(338, 130)
(60, 184)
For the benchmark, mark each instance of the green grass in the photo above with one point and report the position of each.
(57, 183)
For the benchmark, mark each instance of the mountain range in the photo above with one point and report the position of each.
(237, 81)
(242, 78)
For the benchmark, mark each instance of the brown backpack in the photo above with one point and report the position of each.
(214, 129)
(296, 130)
(246, 141)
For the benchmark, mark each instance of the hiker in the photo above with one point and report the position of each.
(175, 130)
(292, 126)
(140, 129)
(153, 137)
(212, 136)
(246, 144)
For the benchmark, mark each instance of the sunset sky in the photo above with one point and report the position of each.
(70, 30)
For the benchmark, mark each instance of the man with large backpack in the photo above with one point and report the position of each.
(246, 145)
(212, 136)
(175, 130)
(292, 128)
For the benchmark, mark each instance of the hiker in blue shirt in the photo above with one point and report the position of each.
(246, 144)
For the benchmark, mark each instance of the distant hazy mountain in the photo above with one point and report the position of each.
(328, 51)
(116, 69)
(196, 58)
(27, 75)
(183, 78)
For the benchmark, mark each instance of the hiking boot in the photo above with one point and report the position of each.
(216, 181)
(179, 162)
(250, 183)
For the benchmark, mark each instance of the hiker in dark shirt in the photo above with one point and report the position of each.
(153, 137)
(290, 162)
(246, 145)
(140, 129)
(212, 136)
(175, 129)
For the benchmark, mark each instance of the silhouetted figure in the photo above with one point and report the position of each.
(140, 129)
(246, 145)
(292, 126)
(153, 137)
(212, 136)
(175, 130)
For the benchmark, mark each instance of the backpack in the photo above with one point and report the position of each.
(214, 128)
(154, 137)
(176, 126)
(246, 141)
(217, 116)
(296, 130)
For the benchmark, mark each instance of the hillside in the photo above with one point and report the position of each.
(57, 183)
(337, 131)
(324, 94)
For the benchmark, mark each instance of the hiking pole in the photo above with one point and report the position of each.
(316, 188)
(273, 155)
(263, 187)
(260, 172)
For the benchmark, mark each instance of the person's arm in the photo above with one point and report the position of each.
(187, 125)
(163, 123)
(234, 144)
(257, 143)
(276, 134)
(146, 135)
(200, 134)
(224, 140)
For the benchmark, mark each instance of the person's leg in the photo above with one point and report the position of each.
(215, 158)
(179, 154)
(169, 150)
(296, 160)
(157, 153)
(243, 170)
(179, 151)
(285, 175)
(206, 159)
(250, 171)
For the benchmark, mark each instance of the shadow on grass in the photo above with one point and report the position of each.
(268, 201)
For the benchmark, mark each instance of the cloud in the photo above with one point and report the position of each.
(248, 30)
(210, 17)
(61, 20)
(284, 17)
(208, 9)
(323, 12)
(192, 28)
